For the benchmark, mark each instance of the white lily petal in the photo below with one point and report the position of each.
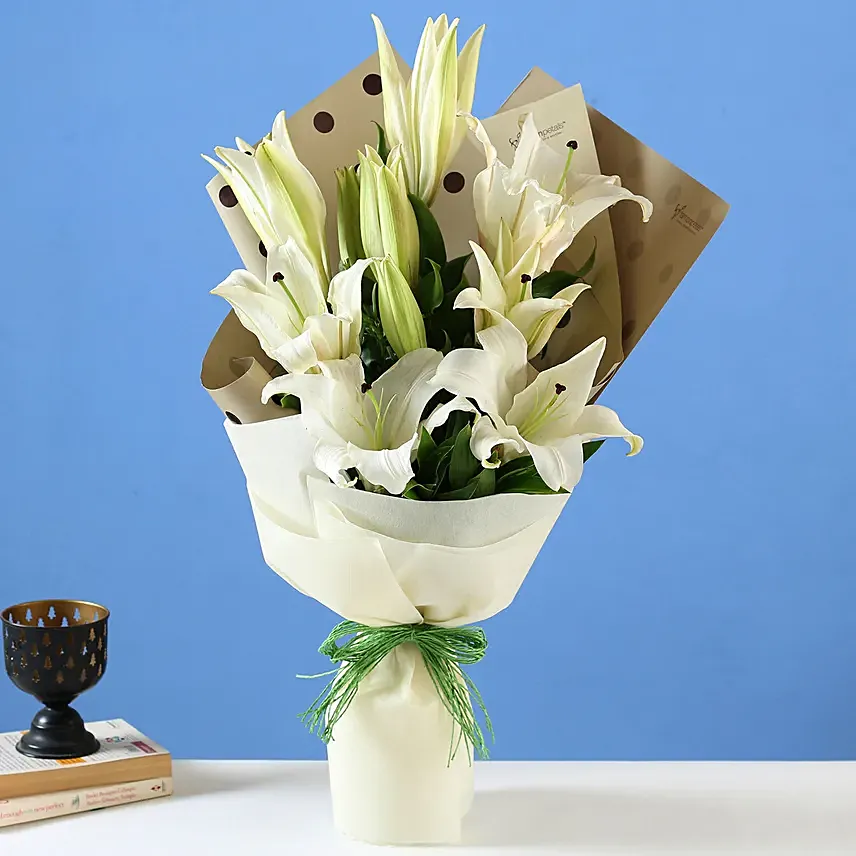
(437, 115)
(297, 355)
(303, 190)
(490, 434)
(502, 339)
(403, 391)
(560, 466)
(345, 296)
(468, 61)
(294, 278)
(478, 130)
(490, 286)
(490, 376)
(589, 195)
(534, 159)
(597, 422)
(537, 318)
(238, 175)
(331, 402)
(394, 101)
(548, 409)
(263, 315)
(390, 468)
(441, 414)
(331, 337)
(334, 461)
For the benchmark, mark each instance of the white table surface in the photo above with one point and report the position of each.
(283, 807)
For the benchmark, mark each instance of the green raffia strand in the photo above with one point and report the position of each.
(444, 649)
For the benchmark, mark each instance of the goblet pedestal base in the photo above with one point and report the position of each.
(58, 733)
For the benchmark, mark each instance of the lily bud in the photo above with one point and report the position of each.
(278, 194)
(400, 315)
(348, 215)
(387, 222)
(423, 115)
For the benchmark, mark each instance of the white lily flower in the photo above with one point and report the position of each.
(547, 418)
(424, 116)
(536, 318)
(387, 221)
(288, 313)
(529, 213)
(278, 194)
(373, 430)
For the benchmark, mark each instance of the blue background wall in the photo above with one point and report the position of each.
(695, 602)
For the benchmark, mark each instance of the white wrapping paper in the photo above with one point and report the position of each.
(382, 560)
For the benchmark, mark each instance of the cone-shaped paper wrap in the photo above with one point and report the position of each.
(382, 560)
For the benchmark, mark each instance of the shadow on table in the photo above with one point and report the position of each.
(202, 780)
(564, 820)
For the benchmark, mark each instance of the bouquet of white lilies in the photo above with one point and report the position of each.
(405, 461)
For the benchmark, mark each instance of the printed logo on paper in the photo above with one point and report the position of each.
(545, 134)
(684, 219)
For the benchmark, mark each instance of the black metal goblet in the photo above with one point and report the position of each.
(55, 650)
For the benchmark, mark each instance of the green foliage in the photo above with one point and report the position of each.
(375, 351)
(431, 243)
(590, 448)
(551, 283)
(382, 146)
(429, 291)
(286, 401)
(447, 327)
(446, 469)
(520, 476)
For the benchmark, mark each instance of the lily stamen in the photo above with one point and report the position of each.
(539, 416)
(572, 147)
(278, 277)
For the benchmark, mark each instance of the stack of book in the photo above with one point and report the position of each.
(128, 768)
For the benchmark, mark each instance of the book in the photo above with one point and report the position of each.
(126, 755)
(26, 809)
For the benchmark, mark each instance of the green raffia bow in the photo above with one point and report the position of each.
(444, 650)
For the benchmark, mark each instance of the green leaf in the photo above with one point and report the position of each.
(287, 401)
(453, 273)
(429, 291)
(417, 491)
(551, 283)
(426, 447)
(481, 484)
(590, 448)
(463, 465)
(521, 476)
(382, 145)
(585, 270)
(431, 244)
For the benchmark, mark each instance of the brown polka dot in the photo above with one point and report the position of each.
(628, 329)
(454, 182)
(232, 418)
(674, 194)
(703, 216)
(372, 84)
(635, 250)
(666, 273)
(227, 197)
(262, 249)
(323, 122)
